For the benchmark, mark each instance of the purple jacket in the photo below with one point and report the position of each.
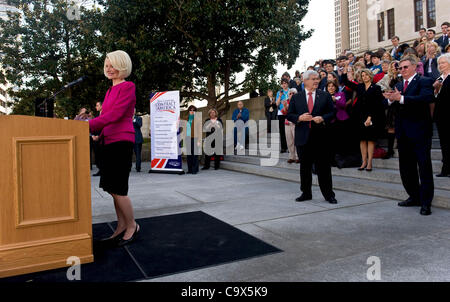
(116, 120)
(341, 101)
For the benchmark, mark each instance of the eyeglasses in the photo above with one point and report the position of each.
(404, 67)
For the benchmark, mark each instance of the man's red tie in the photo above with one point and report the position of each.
(406, 86)
(310, 104)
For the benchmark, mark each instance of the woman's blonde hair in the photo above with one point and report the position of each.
(436, 46)
(359, 66)
(357, 76)
(389, 56)
(121, 61)
(392, 72)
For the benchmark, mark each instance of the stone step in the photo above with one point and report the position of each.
(436, 154)
(356, 185)
(391, 164)
(435, 144)
(384, 175)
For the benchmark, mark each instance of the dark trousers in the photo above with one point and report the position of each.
(444, 137)
(281, 120)
(413, 153)
(138, 152)
(216, 161)
(270, 116)
(192, 159)
(315, 153)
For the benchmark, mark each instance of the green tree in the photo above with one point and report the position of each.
(42, 50)
(195, 45)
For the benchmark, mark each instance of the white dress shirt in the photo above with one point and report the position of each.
(430, 61)
(402, 99)
(394, 50)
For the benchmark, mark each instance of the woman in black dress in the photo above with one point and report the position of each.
(367, 114)
(388, 83)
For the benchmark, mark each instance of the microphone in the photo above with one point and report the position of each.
(75, 82)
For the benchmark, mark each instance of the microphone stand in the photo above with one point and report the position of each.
(64, 88)
(44, 102)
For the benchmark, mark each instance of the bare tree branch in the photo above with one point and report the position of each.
(236, 95)
(199, 95)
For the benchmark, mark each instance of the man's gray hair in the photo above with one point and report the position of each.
(294, 90)
(410, 59)
(445, 56)
(310, 73)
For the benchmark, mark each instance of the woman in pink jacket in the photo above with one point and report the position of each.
(117, 135)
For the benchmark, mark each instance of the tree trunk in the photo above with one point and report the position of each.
(224, 105)
(211, 84)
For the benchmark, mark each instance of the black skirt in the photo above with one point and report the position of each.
(116, 167)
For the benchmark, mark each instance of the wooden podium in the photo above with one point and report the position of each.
(45, 194)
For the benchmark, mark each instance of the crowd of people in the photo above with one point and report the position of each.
(385, 94)
(357, 84)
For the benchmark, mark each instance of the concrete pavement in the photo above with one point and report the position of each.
(320, 242)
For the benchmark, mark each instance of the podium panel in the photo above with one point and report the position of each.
(45, 192)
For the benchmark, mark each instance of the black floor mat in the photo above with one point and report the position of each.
(111, 265)
(166, 245)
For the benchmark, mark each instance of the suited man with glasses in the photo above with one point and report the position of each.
(414, 129)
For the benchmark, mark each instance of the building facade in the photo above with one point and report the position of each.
(363, 25)
(4, 98)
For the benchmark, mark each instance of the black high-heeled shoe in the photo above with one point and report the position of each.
(123, 242)
(112, 240)
(362, 168)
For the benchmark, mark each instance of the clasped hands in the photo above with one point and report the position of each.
(393, 96)
(307, 117)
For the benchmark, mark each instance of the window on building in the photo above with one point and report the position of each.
(381, 29)
(431, 13)
(391, 23)
(418, 14)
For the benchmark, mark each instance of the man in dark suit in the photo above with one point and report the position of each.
(443, 41)
(311, 110)
(414, 130)
(137, 123)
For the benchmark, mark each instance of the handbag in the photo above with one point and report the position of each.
(379, 152)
